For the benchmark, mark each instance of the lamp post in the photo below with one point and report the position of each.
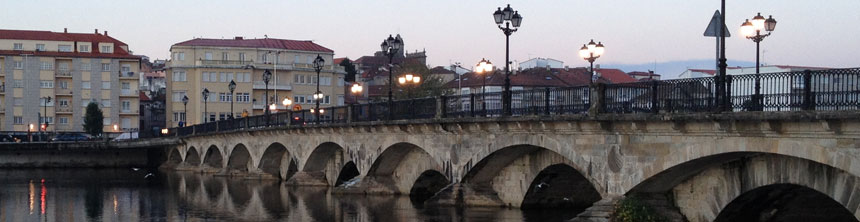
(510, 18)
(484, 66)
(318, 65)
(752, 31)
(590, 52)
(267, 75)
(185, 103)
(356, 90)
(205, 108)
(409, 79)
(45, 126)
(390, 46)
(232, 87)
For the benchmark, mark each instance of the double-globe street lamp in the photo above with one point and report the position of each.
(484, 67)
(510, 18)
(318, 65)
(752, 31)
(390, 47)
(590, 52)
(44, 126)
(205, 107)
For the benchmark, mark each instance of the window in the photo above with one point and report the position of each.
(85, 84)
(63, 84)
(46, 66)
(126, 86)
(126, 68)
(179, 56)
(229, 76)
(46, 84)
(224, 56)
(265, 58)
(49, 119)
(84, 48)
(63, 67)
(326, 100)
(222, 116)
(298, 59)
(223, 77)
(105, 103)
(106, 121)
(222, 97)
(178, 116)
(178, 95)
(64, 102)
(340, 81)
(243, 97)
(64, 121)
(18, 46)
(19, 65)
(40, 47)
(126, 106)
(208, 56)
(179, 76)
(241, 56)
(325, 81)
(18, 120)
(211, 117)
(105, 85)
(205, 77)
(64, 48)
(310, 59)
(247, 77)
(106, 67)
(340, 100)
(18, 83)
(17, 101)
(107, 49)
(86, 66)
(213, 76)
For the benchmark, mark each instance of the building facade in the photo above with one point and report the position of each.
(211, 64)
(73, 70)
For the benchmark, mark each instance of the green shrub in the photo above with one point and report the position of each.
(631, 209)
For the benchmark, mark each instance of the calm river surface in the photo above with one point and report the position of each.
(129, 195)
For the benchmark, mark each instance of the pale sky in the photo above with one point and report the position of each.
(811, 33)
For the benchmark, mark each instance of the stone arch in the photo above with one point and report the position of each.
(325, 162)
(399, 167)
(560, 186)
(276, 160)
(174, 158)
(348, 172)
(240, 159)
(784, 202)
(213, 157)
(504, 177)
(192, 157)
(427, 185)
(702, 188)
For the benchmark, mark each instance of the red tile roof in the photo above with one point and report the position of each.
(142, 96)
(615, 75)
(258, 43)
(339, 60)
(93, 38)
(706, 71)
(639, 73)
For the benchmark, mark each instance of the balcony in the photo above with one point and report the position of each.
(127, 112)
(223, 63)
(129, 93)
(64, 110)
(63, 73)
(62, 92)
(262, 85)
(127, 75)
(3, 88)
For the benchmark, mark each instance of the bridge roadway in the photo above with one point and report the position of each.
(128, 153)
(686, 166)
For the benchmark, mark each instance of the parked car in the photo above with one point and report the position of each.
(71, 137)
(127, 136)
(7, 138)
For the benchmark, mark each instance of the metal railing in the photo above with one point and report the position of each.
(226, 62)
(835, 89)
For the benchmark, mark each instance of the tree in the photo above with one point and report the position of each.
(430, 86)
(350, 70)
(94, 119)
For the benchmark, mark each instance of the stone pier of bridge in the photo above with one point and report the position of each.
(689, 167)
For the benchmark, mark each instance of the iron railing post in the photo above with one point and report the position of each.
(654, 101)
(728, 97)
(546, 102)
(472, 104)
(807, 91)
(441, 107)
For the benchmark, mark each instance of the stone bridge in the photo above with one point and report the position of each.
(694, 167)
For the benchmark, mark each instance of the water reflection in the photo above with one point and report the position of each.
(125, 195)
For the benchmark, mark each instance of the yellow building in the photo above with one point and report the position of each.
(211, 64)
(73, 69)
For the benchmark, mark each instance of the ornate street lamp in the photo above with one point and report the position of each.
(484, 67)
(390, 47)
(356, 90)
(232, 87)
(185, 103)
(267, 75)
(47, 100)
(752, 31)
(510, 18)
(590, 52)
(409, 79)
(205, 108)
(318, 65)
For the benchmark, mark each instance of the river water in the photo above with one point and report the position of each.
(149, 195)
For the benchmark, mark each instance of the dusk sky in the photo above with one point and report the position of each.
(811, 33)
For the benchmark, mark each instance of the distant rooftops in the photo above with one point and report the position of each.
(94, 38)
(299, 45)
